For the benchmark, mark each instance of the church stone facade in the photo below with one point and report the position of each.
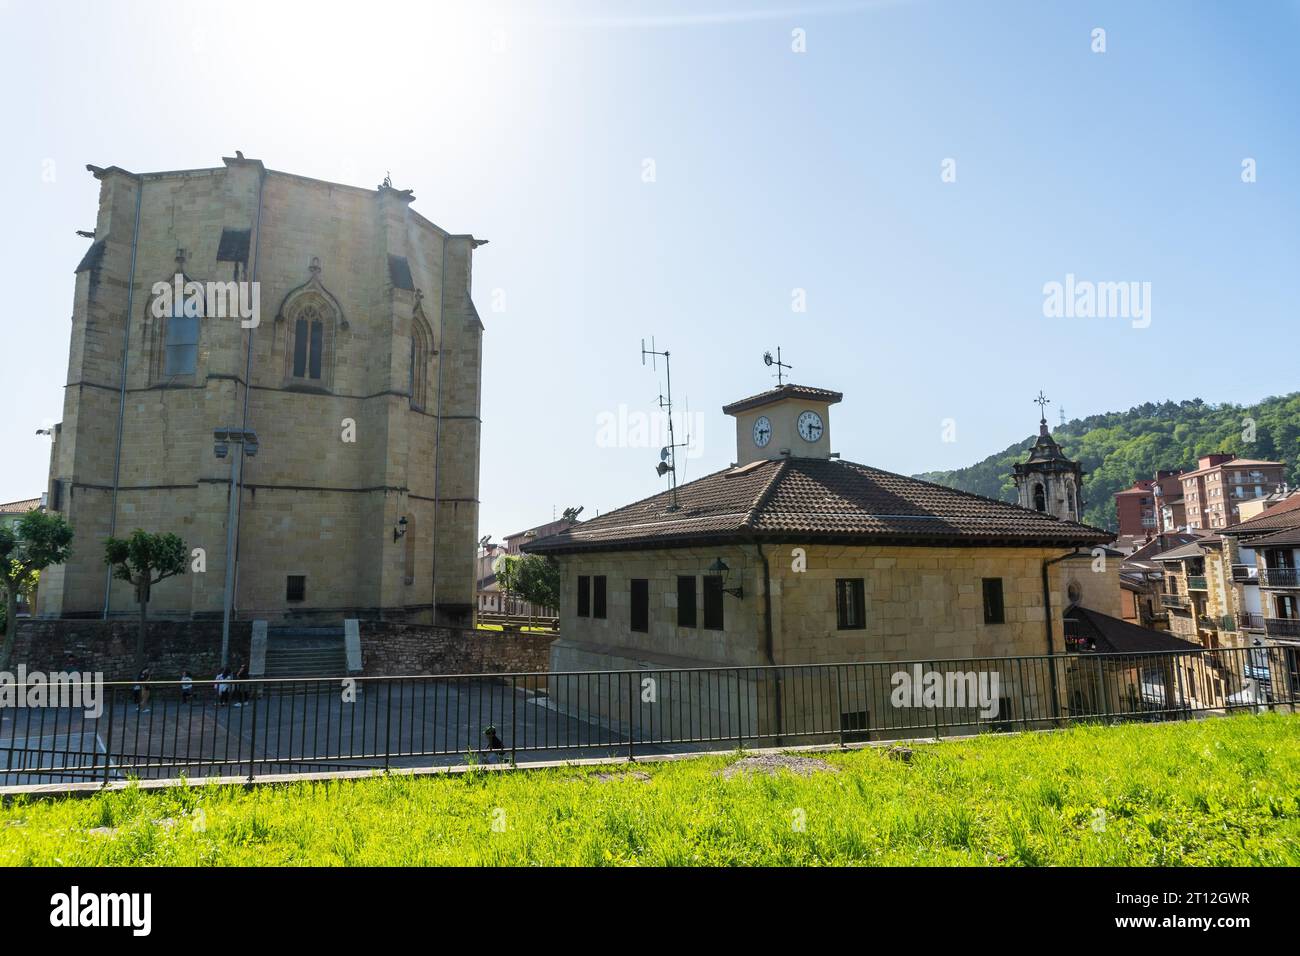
(361, 379)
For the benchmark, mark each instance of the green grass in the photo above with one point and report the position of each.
(1214, 792)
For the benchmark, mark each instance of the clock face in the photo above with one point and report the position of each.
(762, 431)
(810, 426)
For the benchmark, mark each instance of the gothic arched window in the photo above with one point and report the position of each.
(1040, 498)
(181, 343)
(172, 333)
(308, 344)
(421, 349)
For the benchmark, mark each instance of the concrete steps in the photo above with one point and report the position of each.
(305, 652)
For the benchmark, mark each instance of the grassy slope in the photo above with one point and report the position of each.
(1223, 791)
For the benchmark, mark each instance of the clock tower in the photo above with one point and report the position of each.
(790, 421)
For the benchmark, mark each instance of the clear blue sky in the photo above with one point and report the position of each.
(529, 124)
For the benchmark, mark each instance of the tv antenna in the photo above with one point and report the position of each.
(668, 454)
(780, 366)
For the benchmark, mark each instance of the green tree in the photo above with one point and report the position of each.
(532, 577)
(38, 541)
(537, 580)
(143, 560)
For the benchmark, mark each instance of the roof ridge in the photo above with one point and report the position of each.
(764, 494)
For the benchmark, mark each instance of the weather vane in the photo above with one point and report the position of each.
(769, 361)
(1041, 401)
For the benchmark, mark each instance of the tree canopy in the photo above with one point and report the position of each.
(1117, 448)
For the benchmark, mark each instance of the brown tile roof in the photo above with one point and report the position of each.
(1276, 518)
(814, 499)
(1103, 634)
(1287, 538)
(780, 392)
(1190, 550)
(19, 507)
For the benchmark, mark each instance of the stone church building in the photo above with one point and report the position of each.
(359, 375)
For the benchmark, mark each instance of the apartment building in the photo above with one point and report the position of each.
(1214, 491)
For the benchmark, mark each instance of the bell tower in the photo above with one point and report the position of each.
(1049, 482)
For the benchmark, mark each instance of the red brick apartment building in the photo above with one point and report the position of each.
(1136, 509)
(1151, 506)
(1219, 483)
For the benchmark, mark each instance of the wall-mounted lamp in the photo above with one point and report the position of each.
(400, 530)
(720, 567)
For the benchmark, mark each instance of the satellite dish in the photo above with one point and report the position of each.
(663, 454)
(767, 358)
(663, 468)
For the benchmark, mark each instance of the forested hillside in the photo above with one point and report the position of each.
(1117, 448)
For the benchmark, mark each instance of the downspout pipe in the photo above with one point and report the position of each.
(437, 425)
(769, 636)
(1047, 627)
(237, 479)
(121, 404)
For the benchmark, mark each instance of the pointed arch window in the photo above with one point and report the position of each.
(312, 325)
(421, 349)
(181, 343)
(173, 329)
(308, 344)
(1040, 497)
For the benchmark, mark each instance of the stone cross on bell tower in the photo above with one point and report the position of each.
(1049, 482)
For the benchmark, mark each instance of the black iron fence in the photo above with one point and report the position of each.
(167, 729)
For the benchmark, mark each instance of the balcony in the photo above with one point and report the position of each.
(1196, 582)
(1282, 626)
(1279, 578)
(1207, 624)
(1244, 573)
(1250, 621)
(1176, 601)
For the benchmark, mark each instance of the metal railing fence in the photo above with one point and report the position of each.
(160, 729)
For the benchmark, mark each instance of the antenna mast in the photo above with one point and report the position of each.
(667, 454)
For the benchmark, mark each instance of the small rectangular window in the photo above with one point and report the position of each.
(713, 602)
(640, 604)
(295, 588)
(850, 604)
(584, 595)
(994, 612)
(598, 597)
(686, 601)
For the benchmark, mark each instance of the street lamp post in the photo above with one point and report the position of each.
(245, 443)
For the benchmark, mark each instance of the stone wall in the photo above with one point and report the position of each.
(393, 649)
(109, 647)
(921, 604)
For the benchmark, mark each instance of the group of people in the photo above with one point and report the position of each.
(228, 687)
